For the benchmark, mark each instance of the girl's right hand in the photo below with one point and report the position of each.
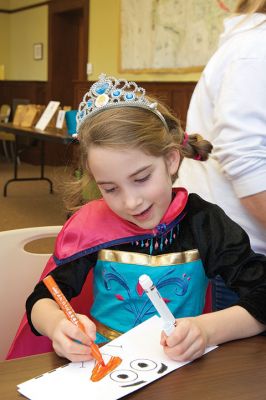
(71, 342)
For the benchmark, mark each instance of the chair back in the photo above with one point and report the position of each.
(20, 271)
(5, 111)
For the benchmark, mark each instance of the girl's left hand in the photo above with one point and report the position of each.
(187, 342)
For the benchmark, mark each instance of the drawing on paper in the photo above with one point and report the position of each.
(100, 371)
(142, 361)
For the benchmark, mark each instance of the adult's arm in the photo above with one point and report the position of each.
(256, 206)
(240, 131)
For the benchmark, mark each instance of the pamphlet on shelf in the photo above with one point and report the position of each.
(60, 119)
(47, 115)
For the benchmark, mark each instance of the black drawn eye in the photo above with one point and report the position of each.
(143, 365)
(123, 375)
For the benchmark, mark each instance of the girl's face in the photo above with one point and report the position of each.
(136, 186)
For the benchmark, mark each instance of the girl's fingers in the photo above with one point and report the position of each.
(186, 351)
(186, 343)
(71, 349)
(163, 339)
(179, 334)
(89, 326)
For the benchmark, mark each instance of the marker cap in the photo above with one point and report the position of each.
(145, 282)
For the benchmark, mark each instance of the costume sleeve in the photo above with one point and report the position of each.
(225, 250)
(70, 278)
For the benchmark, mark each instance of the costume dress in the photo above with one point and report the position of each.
(194, 241)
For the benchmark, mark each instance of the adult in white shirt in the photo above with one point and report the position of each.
(228, 107)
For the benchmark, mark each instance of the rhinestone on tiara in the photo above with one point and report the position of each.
(109, 92)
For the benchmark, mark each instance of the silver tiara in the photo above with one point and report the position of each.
(109, 92)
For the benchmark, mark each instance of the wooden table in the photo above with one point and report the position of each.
(234, 371)
(49, 135)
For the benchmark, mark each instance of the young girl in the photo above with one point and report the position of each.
(132, 148)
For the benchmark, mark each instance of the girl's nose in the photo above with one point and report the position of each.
(132, 200)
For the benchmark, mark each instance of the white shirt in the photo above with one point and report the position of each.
(228, 107)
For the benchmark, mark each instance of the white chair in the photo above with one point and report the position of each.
(20, 270)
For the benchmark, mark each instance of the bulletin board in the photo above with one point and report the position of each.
(170, 35)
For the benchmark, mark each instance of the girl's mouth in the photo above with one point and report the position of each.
(144, 214)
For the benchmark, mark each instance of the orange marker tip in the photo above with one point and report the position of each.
(97, 354)
(100, 372)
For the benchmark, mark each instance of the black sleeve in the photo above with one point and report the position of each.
(70, 278)
(225, 250)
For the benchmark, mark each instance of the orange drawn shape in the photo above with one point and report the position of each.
(100, 371)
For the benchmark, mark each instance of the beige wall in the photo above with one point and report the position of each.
(20, 30)
(4, 44)
(26, 28)
(13, 4)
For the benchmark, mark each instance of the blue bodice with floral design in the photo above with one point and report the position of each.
(121, 304)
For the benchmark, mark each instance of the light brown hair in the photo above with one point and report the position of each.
(250, 6)
(133, 127)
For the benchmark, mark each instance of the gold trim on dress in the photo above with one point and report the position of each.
(105, 331)
(126, 257)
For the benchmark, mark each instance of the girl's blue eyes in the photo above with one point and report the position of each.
(145, 178)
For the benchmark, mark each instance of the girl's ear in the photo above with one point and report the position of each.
(172, 161)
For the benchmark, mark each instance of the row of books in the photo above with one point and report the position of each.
(40, 116)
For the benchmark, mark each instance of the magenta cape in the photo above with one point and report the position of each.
(91, 228)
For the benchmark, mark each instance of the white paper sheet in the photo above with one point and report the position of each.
(47, 115)
(143, 362)
(60, 119)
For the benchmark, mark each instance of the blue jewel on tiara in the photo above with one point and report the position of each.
(109, 92)
(102, 88)
(116, 93)
(129, 96)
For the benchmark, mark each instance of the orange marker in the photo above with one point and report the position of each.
(70, 313)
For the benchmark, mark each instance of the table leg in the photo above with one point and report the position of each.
(16, 179)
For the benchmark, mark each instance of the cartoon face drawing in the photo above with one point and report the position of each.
(135, 375)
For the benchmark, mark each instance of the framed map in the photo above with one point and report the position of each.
(170, 35)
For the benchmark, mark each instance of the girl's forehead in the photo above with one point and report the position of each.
(122, 161)
(115, 152)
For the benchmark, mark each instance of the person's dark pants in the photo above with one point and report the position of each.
(222, 297)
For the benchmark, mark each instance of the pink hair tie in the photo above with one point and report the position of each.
(198, 157)
(185, 139)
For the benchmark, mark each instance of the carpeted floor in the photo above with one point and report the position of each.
(29, 203)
